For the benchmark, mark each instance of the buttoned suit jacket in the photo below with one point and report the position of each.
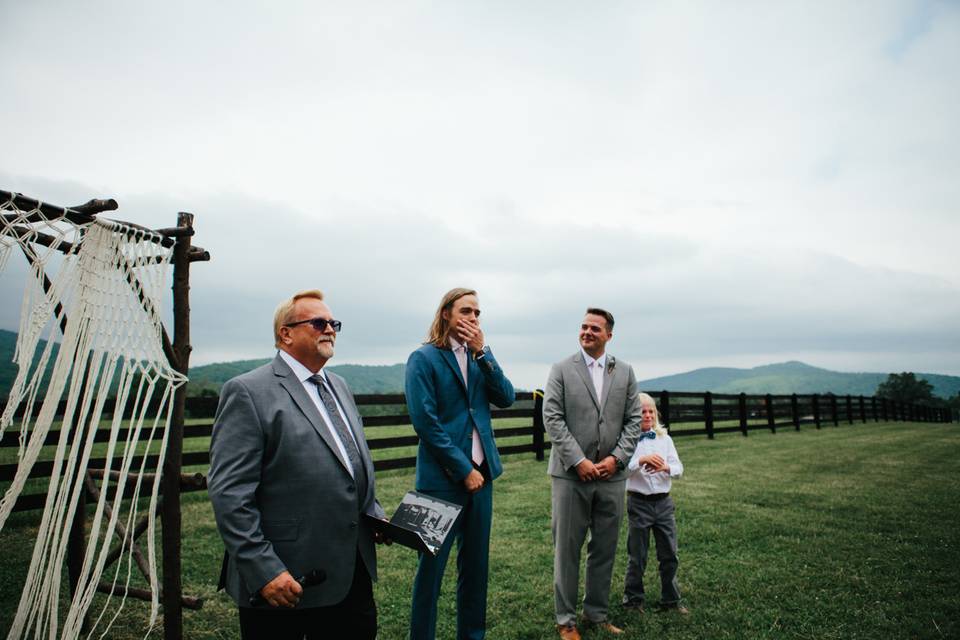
(445, 411)
(282, 495)
(582, 425)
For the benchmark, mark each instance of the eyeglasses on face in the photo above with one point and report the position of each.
(320, 324)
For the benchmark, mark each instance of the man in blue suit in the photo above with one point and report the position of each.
(450, 383)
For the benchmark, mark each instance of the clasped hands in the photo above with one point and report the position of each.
(602, 470)
(654, 463)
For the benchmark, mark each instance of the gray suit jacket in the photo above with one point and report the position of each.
(580, 424)
(282, 496)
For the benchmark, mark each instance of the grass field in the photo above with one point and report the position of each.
(846, 532)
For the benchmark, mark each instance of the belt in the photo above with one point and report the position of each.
(649, 497)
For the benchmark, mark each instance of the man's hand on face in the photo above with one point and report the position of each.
(607, 467)
(470, 334)
(474, 481)
(282, 591)
(587, 471)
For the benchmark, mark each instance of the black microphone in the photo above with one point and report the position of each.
(310, 579)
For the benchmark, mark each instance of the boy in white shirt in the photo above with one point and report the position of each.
(650, 507)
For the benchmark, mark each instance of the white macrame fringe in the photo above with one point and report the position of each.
(108, 293)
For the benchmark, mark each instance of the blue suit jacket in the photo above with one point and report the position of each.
(444, 413)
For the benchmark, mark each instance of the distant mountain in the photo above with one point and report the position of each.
(788, 377)
(361, 378)
(785, 377)
(207, 379)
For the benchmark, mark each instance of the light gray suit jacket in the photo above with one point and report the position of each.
(580, 424)
(282, 495)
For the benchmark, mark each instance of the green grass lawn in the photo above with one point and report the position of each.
(846, 532)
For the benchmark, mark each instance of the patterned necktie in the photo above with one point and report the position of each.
(646, 434)
(353, 454)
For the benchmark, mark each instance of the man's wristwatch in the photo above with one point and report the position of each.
(479, 354)
(620, 465)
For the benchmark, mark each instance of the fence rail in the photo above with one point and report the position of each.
(683, 413)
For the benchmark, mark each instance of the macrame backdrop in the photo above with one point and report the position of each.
(91, 316)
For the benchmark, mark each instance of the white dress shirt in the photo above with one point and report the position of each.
(641, 479)
(595, 369)
(303, 375)
(460, 352)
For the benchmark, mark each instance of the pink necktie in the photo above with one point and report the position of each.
(477, 450)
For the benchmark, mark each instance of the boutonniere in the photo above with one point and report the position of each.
(610, 366)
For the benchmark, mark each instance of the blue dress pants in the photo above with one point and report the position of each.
(471, 532)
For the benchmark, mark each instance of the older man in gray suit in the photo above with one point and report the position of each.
(591, 412)
(290, 478)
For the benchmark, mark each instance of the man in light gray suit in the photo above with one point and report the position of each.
(290, 477)
(591, 412)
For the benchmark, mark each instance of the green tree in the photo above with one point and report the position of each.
(906, 387)
(954, 403)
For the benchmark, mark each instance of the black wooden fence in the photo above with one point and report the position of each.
(684, 414)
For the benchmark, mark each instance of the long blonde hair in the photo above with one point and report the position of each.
(439, 334)
(658, 428)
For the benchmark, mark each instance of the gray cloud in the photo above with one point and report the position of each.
(737, 184)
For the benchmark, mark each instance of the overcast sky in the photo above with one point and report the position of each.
(739, 183)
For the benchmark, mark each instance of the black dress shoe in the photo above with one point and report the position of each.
(633, 605)
(675, 608)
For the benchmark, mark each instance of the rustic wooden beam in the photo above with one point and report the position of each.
(190, 602)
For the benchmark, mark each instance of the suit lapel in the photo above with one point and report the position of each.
(580, 365)
(295, 388)
(451, 360)
(608, 372)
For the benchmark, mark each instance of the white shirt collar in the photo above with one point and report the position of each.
(454, 345)
(589, 360)
(299, 370)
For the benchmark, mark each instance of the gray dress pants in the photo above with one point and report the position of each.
(578, 508)
(643, 517)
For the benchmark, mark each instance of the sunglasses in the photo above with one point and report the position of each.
(320, 324)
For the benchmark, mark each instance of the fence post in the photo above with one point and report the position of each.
(816, 409)
(795, 411)
(665, 409)
(885, 408)
(849, 409)
(873, 409)
(742, 406)
(171, 516)
(770, 421)
(708, 413)
(538, 446)
(833, 410)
